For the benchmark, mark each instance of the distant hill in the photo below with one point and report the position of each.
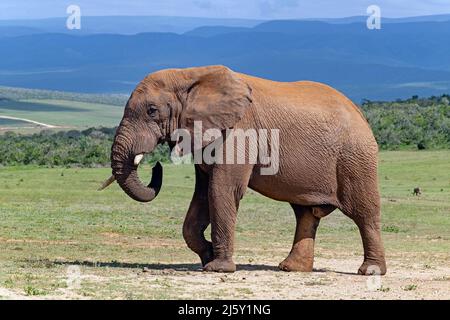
(127, 24)
(139, 24)
(429, 18)
(212, 31)
(400, 60)
(14, 31)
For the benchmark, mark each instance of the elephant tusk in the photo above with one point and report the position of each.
(138, 159)
(107, 183)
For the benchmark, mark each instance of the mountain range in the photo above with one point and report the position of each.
(408, 56)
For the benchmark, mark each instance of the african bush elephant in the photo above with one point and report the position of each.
(327, 157)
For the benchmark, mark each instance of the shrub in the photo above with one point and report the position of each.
(91, 147)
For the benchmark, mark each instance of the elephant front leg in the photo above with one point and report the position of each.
(195, 224)
(223, 220)
(225, 191)
(197, 220)
(301, 257)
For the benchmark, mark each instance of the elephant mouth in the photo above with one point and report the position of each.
(155, 182)
(157, 174)
(125, 173)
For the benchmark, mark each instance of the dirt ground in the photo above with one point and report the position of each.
(331, 279)
(116, 248)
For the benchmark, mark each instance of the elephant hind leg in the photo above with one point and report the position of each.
(374, 260)
(369, 226)
(301, 257)
(367, 217)
(361, 202)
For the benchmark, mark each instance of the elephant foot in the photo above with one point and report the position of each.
(220, 265)
(301, 258)
(296, 265)
(372, 267)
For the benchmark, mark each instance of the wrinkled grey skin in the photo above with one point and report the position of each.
(328, 157)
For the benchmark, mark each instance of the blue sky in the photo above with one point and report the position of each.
(254, 9)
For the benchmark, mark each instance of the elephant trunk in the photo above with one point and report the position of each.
(125, 158)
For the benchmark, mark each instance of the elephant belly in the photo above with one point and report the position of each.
(312, 188)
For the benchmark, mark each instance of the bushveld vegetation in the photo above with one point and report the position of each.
(414, 123)
(417, 123)
(87, 148)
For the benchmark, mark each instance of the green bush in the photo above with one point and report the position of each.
(414, 123)
(91, 147)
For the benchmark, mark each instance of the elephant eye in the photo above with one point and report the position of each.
(152, 110)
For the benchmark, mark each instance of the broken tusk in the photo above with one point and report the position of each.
(138, 159)
(107, 183)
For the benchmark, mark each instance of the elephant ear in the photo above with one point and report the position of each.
(218, 98)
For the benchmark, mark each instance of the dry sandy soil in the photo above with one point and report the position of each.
(331, 279)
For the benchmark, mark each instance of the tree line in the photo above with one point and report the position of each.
(87, 148)
(413, 123)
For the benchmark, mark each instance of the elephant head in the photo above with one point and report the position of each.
(168, 100)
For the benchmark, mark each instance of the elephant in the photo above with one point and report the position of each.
(327, 158)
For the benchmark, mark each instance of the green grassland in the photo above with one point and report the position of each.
(63, 113)
(54, 218)
(65, 110)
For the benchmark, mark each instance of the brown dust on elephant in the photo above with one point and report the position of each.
(327, 157)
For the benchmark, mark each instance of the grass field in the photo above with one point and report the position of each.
(60, 113)
(62, 239)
